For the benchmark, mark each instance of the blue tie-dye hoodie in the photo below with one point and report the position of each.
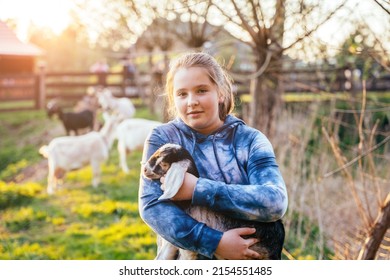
(238, 177)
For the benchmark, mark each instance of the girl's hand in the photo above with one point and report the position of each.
(233, 247)
(187, 188)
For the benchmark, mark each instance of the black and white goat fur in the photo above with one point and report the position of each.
(173, 161)
(72, 121)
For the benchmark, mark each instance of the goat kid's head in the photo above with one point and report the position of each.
(52, 108)
(159, 163)
(104, 98)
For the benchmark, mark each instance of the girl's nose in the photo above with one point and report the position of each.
(192, 100)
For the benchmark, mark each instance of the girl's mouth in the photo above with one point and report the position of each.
(194, 113)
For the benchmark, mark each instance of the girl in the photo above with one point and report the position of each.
(238, 172)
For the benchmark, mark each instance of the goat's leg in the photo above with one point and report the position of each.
(122, 156)
(58, 176)
(165, 250)
(66, 130)
(59, 183)
(187, 255)
(95, 173)
(51, 180)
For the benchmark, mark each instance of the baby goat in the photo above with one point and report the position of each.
(72, 121)
(173, 161)
(121, 107)
(74, 152)
(131, 134)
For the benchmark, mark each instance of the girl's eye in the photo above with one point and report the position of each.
(202, 90)
(181, 94)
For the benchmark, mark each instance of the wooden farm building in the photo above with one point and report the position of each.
(16, 57)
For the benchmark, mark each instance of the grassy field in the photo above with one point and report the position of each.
(81, 222)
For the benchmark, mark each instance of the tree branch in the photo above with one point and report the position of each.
(380, 5)
(256, 74)
(384, 141)
(255, 17)
(377, 232)
(245, 24)
(308, 33)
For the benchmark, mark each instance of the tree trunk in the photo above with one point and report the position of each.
(266, 94)
(165, 114)
(377, 232)
(153, 78)
(266, 103)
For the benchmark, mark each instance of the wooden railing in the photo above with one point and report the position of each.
(69, 86)
(72, 86)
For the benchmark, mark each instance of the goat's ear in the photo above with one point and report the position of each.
(173, 180)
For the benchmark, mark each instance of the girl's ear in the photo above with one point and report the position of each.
(221, 99)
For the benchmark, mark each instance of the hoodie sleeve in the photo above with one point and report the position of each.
(169, 220)
(263, 199)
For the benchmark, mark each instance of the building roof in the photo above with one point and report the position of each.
(11, 45)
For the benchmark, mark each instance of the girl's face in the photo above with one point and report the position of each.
(196, 99)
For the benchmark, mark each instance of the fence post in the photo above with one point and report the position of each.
(36, 92)
(41, 87)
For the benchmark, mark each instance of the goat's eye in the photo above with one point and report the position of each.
(164, 165)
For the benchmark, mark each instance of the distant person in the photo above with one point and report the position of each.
(101, 68)
(129, 71)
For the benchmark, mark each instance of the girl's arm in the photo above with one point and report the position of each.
(263, 199)
(169, 220)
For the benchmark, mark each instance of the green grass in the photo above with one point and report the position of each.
(78, 221)
(310, 97)
(22, 134)
(17, 104)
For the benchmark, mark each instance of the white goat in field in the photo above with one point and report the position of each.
(131, 134)
(121, 107)
(74, 152)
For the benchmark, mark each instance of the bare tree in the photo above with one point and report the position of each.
(265, 26)
(192, 26)
(271, 28)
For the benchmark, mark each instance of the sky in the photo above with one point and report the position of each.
(55, 14)
(362, 10)
(43, 13)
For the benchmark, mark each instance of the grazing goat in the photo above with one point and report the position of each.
(89, 102)
(68, 153)
(173, 161)
(121, 107)
(131, 134)
(72, 121)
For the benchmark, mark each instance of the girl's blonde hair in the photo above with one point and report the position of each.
(217, 75)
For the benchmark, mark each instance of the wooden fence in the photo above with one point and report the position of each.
(36, 89)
